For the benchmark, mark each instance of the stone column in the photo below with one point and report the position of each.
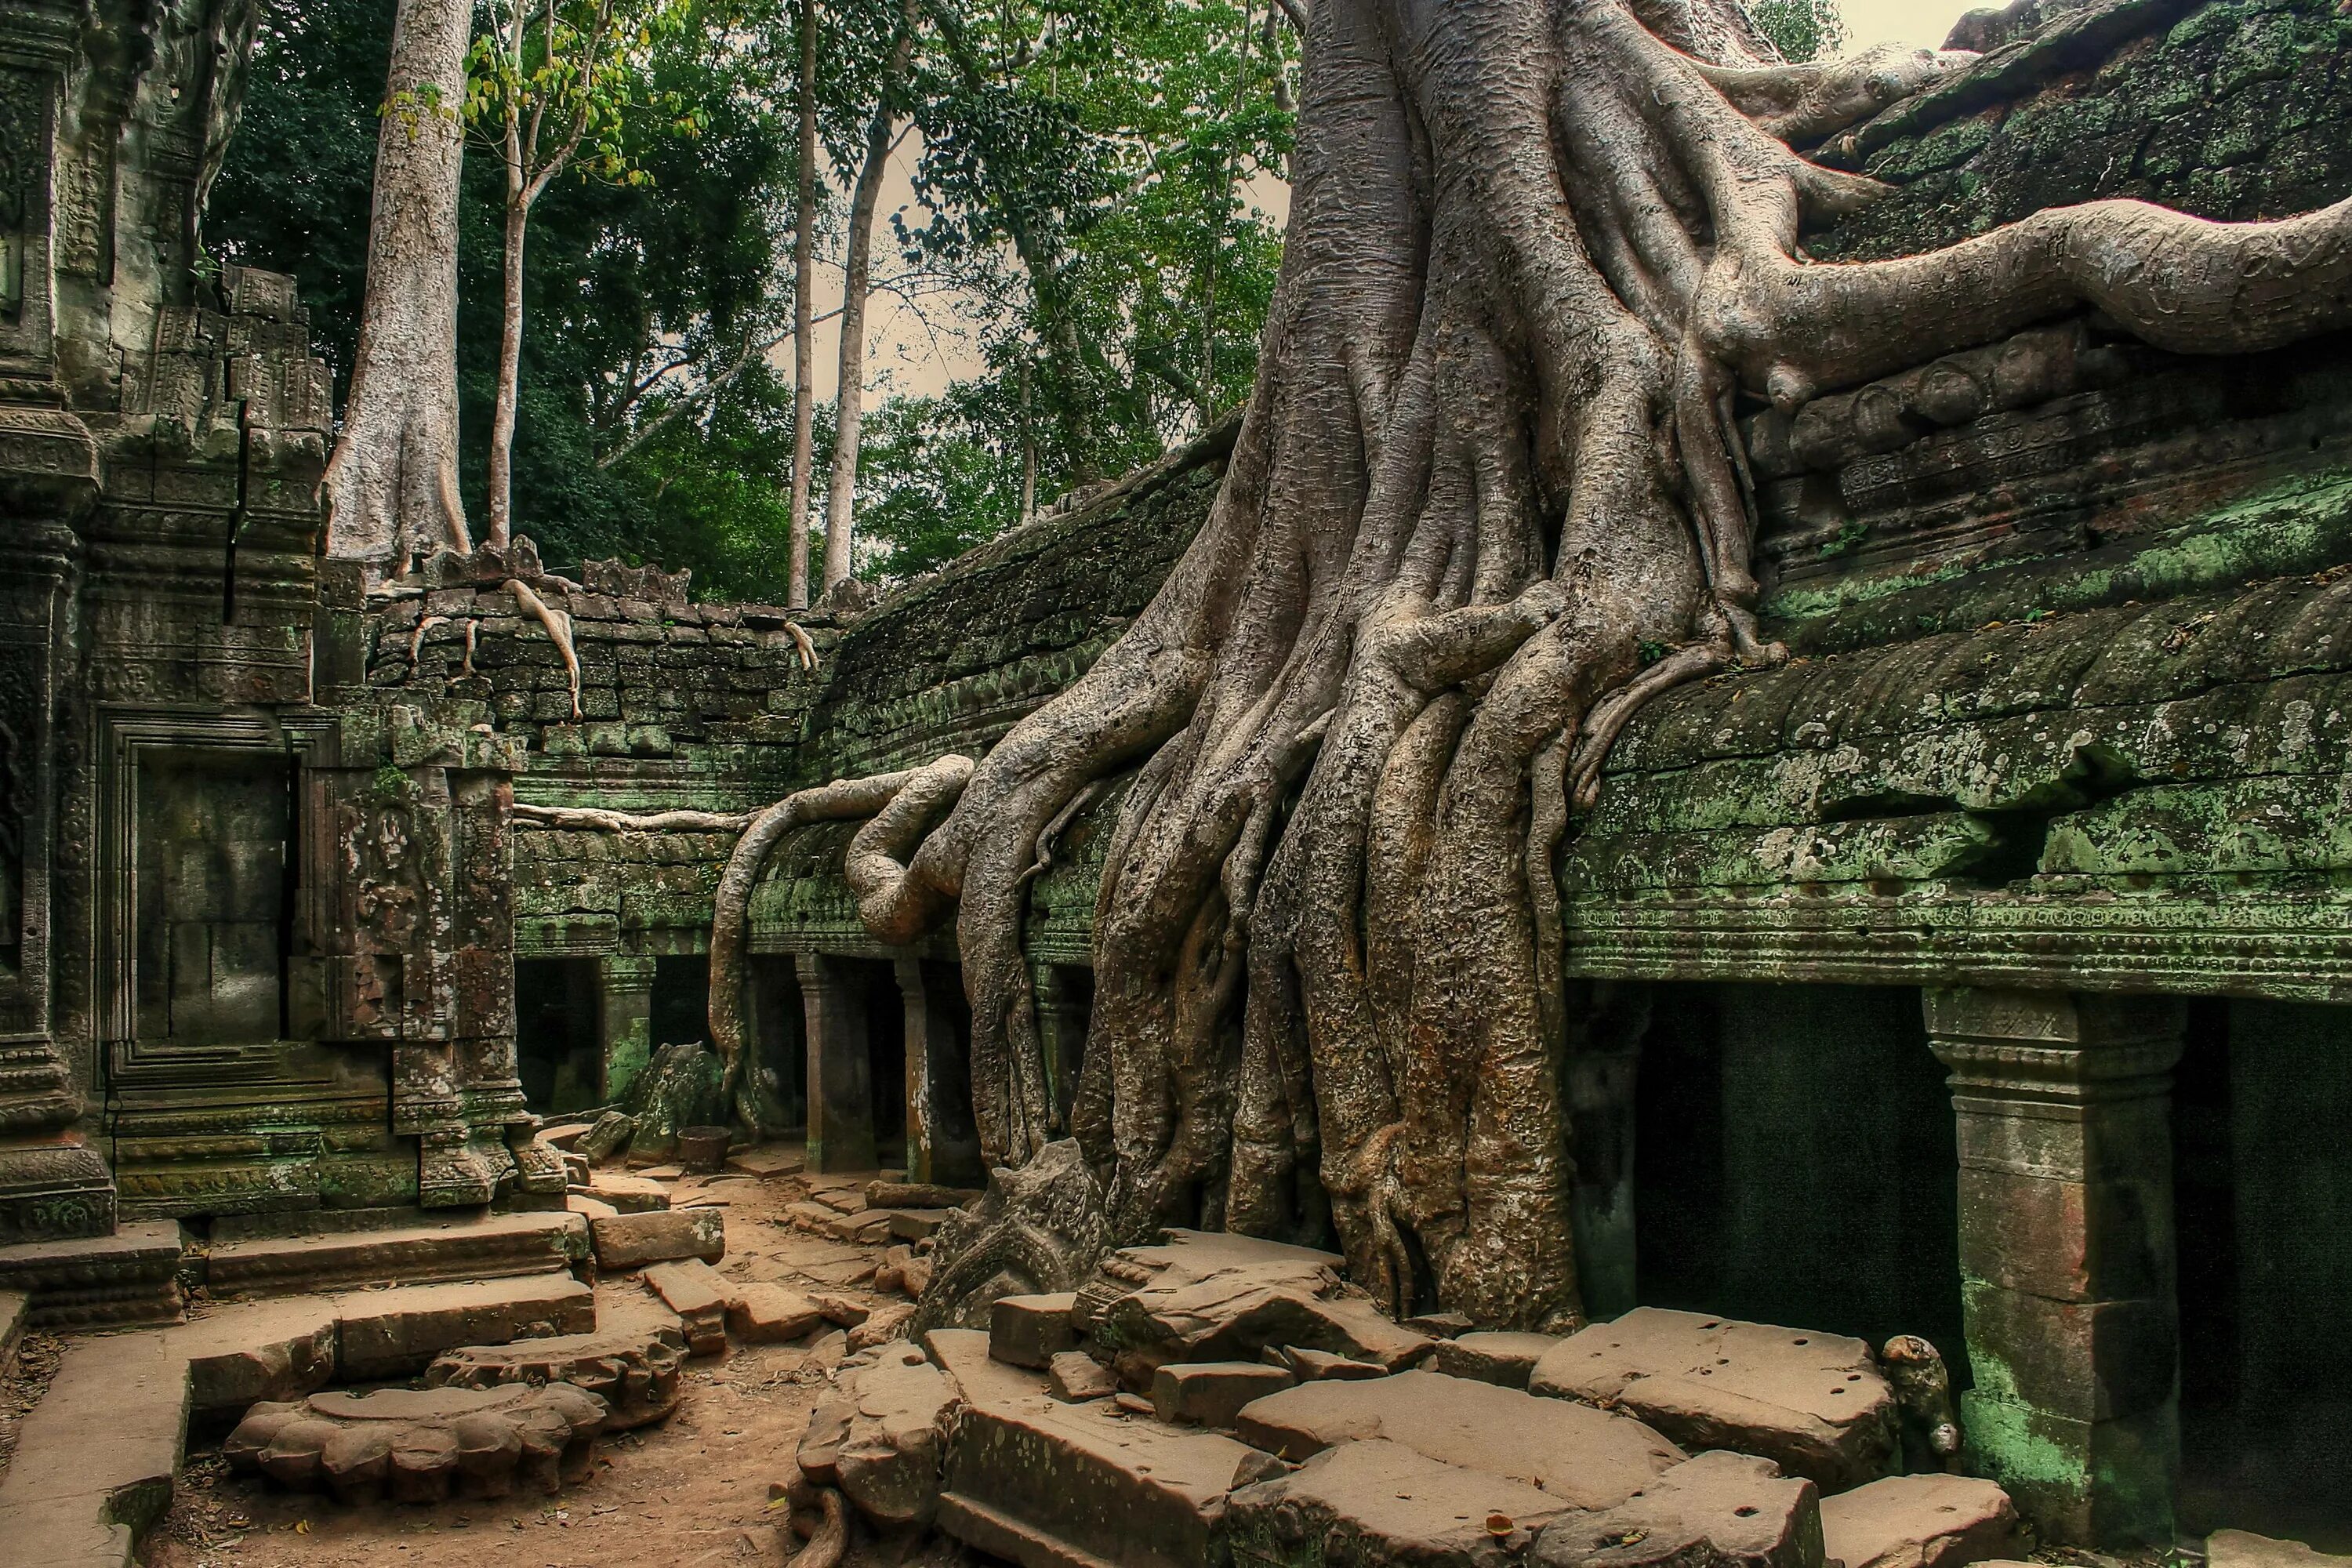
(2067, 1253)
(624, 1018)
(942, 1143)
(840, 1074)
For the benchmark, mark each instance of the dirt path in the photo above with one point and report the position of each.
(691, 1492)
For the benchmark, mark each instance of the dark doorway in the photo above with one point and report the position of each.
(779, 1066)
(1795, 1162)
(213, 897)
(681, 999)
(2262, 1196)
(885, 1059)
(557, 1052)
(1068, 1006)
(947, 1075)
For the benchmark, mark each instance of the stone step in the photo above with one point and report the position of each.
(16, 1312)
(95, 1458)
(474, 1247)
(101, 1281)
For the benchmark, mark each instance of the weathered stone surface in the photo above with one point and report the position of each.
(1203, 1296)
(1040, 1482)
(766, 1160)
(631, 1360)
(1927, 1521)
(393, 1334)
(588, 1208)
(887, 1323)
(414, 1444)
(1031, 1331)
(1041, 1229)
(658, 1236)
(1076, 1377)
(1730, 1510)
(100, 1281)
(1212, 1393)
(979, 1378)
(1378, 1504)
(473, 1248)
(888, 1461)
(841, 1310)
(15, 1311)
(254, 1350)
(1499, 1358)
(693, 1290)
(628, 1193)
(1591, 1458)
(95, 1457)
(1814, 1404)
(1317, 1366)
(769, 1314)
(916, 1224)
(2243, 1549)
(609, 1135)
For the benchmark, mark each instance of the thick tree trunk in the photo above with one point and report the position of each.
(391, 486)
(804, 329)
(849, 391)
(503, 420)
(1534, 256)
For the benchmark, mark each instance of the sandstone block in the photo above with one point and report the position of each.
(2243, 1549)
(240, 1355)
(979, 1378)
(1499, 1358)
(1037, 1482)
(1076, 1377)
(627, 1193)
(396, 1332)
(1814, 1404)
(1316, 1366)
(769, 1314)
(888, 1461)
(693, 1290)
(765, 1161)
(414, 1444)
(661, 1236)
(1587, 1458)
(1031, 1331)
(1729, 1510)
(588, 1208)
(840, 1312)
(630, 1362)
(609, 1135)
(1378, 1504)
(887, 1323)
(1930, 1520)
(1211, 1394)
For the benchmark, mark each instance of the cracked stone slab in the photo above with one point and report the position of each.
(1919, 1521)
(417, 1444)
(1725, 1509)
(1814, 1404)
(1378, 1504)
(631, 1360)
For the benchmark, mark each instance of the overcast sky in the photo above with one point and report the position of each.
(921, 353)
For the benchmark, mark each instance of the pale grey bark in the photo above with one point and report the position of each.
(804, 329)
(391, 486)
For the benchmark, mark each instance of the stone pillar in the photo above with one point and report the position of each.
(624, 1018)
(1064, 1010)
(2067, 1253)
(840, 1073)
(1605, 1056)
(942, 1142)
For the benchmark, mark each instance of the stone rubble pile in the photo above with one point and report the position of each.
(1219, 1402)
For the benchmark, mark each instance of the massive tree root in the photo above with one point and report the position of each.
(1488, 497)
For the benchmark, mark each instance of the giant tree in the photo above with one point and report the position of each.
(391, 485)
(1486, 499)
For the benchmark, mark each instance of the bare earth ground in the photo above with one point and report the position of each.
(691, 1492)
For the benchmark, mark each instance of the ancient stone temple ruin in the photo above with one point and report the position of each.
(1969, 995)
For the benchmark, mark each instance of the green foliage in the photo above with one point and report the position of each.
(1801, 29)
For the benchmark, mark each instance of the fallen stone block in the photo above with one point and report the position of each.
(1506, 1359)
(607, 1137)
(887, 1460)
(1075, 1378)
(631, 1360)
(629, 1194)
(769, 1314)
(979, 1378)
(16, 1312)
(1031, 1331)
(588, 1208)
(1377, 1504)
(242, 1354)
(1727, 1510)
(766, 1161)
(1587, 1458)
(693, 1290)
(918, 1195)
(661, 1236)
(1038, 1482)
(1218, 1297)
(414, 1444)
(397, 1332)
(917, 1225)
(565, 1135)
(1212, 1393)
(818, 1453)
(1814, 1404)
(2243, 1549)
(840, 1312)
(886, 1324)
(859, 1230)
(1440, 1325)
(1930, 1520)
(1317, 1366)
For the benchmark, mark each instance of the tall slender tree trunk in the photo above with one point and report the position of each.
(391, 486)
(804, 332)
(849, 392)
(502, 421)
